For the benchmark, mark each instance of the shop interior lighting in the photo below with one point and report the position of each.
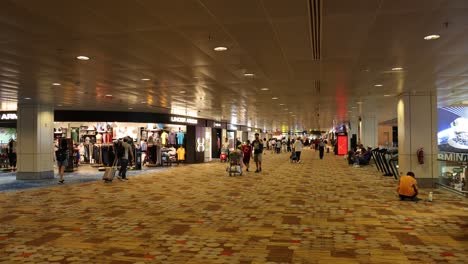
(145, 79)
(274, 98)
(248, 74)
(221, 48)
(27, 98)
(397, 69)
(432, 37)
(56, 84)
(378, 85)
(83, 57)
(264, 89)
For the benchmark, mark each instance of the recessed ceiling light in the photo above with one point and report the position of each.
(378, 85)
(143, 102)
(248, 74)
(286, 109)
(27, 98)
(56, 84)
(145, 79)
(221, 48)
(182, 92)
(431, 37)
(108, 95)
(265, 89)
(130, 108)
(397, 69)
(82, 58)
(274, 98)
(387, 95)
(359, 102)
(290, 112)
(59, 105)
(281, 104)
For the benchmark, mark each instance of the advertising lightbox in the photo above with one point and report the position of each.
(452, 129)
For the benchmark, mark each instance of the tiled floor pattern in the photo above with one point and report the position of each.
(320, 211)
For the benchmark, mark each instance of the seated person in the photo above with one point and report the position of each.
(365, 156)
(408, 187)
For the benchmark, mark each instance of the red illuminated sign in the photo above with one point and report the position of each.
(342, 145)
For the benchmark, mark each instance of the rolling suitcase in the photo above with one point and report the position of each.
(109, 173)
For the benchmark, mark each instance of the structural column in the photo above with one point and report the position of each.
(369, 131)
(417, 128)
(35, 142)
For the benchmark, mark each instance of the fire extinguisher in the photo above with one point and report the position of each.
(420, 154)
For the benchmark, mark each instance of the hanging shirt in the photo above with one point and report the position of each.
(74, 135)
(99, 139)
(180, 138)
(172, 138)
(181, 154)
(164, 137)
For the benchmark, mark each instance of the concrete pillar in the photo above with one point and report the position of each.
(369, 131)
(417, 127)
(35, 142)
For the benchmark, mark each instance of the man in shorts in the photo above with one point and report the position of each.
(257, 145)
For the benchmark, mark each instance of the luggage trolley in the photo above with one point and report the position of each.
(235, 163)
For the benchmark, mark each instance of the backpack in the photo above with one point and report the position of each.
(119, 150)
(61, 154)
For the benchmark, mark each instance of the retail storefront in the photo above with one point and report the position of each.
(157, 139)
(452, 138)
(7, 134)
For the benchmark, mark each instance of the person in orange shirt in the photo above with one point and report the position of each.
(408, 187)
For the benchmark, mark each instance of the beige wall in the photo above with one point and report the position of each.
(385, 139)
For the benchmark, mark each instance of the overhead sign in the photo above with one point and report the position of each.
(184, 120)
(217, 124)
(9, 116)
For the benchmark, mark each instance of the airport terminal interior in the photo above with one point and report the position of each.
(242, 131)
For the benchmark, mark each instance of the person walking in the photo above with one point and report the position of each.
(247, 149)
(321, 148)
(124, 149)
(257, 145)
(61, 156)
(298, 149)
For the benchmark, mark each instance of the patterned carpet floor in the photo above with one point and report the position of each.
(319, 211)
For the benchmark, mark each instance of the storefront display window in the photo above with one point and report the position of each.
(452, 139)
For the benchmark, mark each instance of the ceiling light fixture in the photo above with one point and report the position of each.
(56, 84)
(265, 89)
(431, 37)
(82, 58)
(145, 79)
(182, 92)
(130, 108)
(248, 74)
(274, 98)
(27, 98)
(59, 105)
(397, 69)
(387, 95)
(108, 95)
(378, 85)
(359, 102)
(220, 48)
(281, 104)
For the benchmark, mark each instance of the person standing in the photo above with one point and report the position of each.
(247, 149)
(298, 149)
(12, 154)
(126, 148)
(257, 145)
(61, 155)
(321, 148)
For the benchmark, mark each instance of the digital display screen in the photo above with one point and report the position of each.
(342, 145)
(452, 129)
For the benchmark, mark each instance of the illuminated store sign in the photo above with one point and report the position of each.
(217, 124)
(9, 116)
(184, 120)
(451, 156)
(452, 129)
(200, 145)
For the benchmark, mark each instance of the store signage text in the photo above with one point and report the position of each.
(452, 156)
(184, 120)
(200, 145)
(9, 116)
(217, 124)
